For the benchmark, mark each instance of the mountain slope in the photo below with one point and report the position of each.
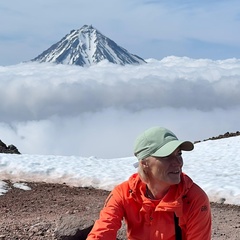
(86, 47)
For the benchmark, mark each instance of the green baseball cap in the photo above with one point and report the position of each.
(158, 142)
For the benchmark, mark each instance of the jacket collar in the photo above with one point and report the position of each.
(172, 201)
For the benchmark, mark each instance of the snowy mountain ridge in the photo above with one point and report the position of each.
(85, 47)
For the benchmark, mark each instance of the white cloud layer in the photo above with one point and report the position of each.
(70, 110)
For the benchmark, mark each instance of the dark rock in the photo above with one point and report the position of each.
(8, 149)
(71, 227)
(2, 144)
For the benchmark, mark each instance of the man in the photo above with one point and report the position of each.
(160, 201)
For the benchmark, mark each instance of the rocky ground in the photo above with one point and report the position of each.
(36, 214)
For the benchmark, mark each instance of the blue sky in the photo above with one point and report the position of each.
(147, 28)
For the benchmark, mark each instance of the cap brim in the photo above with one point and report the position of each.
(171, 146)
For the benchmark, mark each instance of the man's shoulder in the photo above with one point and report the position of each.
(196, 190)
(197, 197)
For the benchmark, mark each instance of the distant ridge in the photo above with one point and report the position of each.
(85, 47)
(225, 135)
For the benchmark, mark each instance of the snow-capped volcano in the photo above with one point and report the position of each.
(86, 47)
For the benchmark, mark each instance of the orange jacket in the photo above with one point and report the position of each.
(148, 219)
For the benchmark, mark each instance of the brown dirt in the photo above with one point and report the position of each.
(33, 214)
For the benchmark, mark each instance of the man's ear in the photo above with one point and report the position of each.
(144, 163)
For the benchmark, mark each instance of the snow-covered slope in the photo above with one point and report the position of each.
(86, 47)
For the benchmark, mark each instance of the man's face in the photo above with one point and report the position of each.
(166, 170)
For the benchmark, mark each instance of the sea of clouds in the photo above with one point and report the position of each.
(98, 111)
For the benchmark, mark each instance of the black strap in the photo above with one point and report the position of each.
(178, 230)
